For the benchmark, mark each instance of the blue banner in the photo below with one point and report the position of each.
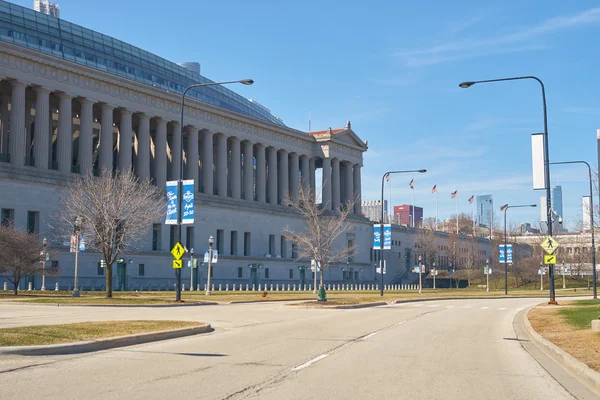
(188, 202)
(172, 193)
(376, 236)
(387, 237)
(509, 253)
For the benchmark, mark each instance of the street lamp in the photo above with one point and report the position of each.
(211, 240)
(77, 227)
(563, 274)
(192, 269)
(468, 84)
(180, 181)
(505, 208)
(541, 275)
(43, 257)
(434, 272)
(421, 171)
(591, 223)
(420, 271)
(487, 274)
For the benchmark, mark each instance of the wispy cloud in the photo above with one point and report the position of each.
(465, 23)
(517, 41)
(582, 110)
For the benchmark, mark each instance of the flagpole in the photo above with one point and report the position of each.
(457, 210)
(413, 210)
(473, 216)
(390, 205)
(436, 209)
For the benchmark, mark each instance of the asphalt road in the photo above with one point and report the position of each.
(451, 349)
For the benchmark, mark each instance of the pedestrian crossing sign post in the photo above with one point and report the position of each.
(549, 259)
(178, 251)
(177, 264)
(549, 245)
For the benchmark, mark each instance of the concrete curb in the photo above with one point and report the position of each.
(120, 305)
(104, 344)
(575, 367)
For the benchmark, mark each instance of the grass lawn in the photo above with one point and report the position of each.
(68, 333)
(569, 327)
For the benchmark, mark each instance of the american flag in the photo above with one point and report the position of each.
(504, 207)
(434, 189)
(412, 183)
(387, 177)
(471, 199)
(454, 194)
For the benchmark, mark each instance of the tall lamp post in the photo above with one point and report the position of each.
(505, 209)
(563, 274)
(420, 272)
(77, 227)
(591, 222)
(487, 274)
(434, 273)
(192, 269)
(421, 171)
(180, 181)
(468, 84)
(211, 240)
(43, 258)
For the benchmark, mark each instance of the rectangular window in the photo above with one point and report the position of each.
(272, 245)
(266, 273)
(247, 243)
(156, 229)
(371, 254)
(141, 270)
(233, 243)
(189, 237)
(291, 273)
(283, 247)
(99, 270)
(172, 230)
(212, 270)
(7, 217)
(32, 221)
(220, 238)
(240, 272)
(350, 245)
(294, 251)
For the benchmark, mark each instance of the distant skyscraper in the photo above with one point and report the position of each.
(372, 210)
(557, 206)
(47, 7)
(484, 205)
(403, 215)
(587, 223)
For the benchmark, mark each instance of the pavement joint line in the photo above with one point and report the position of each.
(370, 335)
(311, 362)
(401, 322)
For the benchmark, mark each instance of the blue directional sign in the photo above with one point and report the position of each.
(188, 202)
(387, 237)
(376, 236)
(509, 253)
(172, 193)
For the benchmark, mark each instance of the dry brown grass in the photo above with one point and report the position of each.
(583, 344)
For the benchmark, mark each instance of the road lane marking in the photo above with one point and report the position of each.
(467, 306)
(483, 308)
(370, 335)
(502, 308)
(401, 322)
(449, 306)
(417, 305)
(311, 362)
(433, 305)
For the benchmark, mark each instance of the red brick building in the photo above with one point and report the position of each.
(403, 215)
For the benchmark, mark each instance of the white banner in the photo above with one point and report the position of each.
(537, 157)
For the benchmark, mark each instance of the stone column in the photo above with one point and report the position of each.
(86, 136)
(142, 162)
(326, 186)
(272, 175)
(222, 165)
(125, 138)
(65, 133)
(349, 179)
(236, 168)
(312, 174)
(248, 171)
(207, 162)
(191, 154)
(5, 123)
(42, 128)
(357, 188)
(160, 154)
(106, 138)
(17, 124)
(294, 176)
(283, 175)
(176, 146)
(335, 184)
(261, 176)
(305, 171)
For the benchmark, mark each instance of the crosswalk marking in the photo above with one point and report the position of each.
(501, 308)
(433, 305)
(484, 308)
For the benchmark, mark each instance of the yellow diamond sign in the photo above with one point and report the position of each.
(178, 251)
(549, 245)
(549, 259)
(177, 264)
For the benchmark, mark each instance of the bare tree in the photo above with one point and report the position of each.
(116, 211)
(317, 240)
(428, 245)
(20, 256)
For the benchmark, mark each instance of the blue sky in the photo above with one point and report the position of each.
(392, 69)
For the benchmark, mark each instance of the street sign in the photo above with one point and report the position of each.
(73, 248)
(177, 264)
(541, 271)
(82, 244)
(172, 190)
(378, 270)
(215, 256)
(313, 264)
(377, 236)
(188, 202)
(549, 245)
(487, 270)
(178, 251)
(387, 237)
(509, 253)
(549, 259)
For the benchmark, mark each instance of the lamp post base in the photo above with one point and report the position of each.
(75, 293)
(552, 303)
(207, 293)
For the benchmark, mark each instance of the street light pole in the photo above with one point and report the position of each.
(468, 84)
(434, 271)
(505, 209)
(541, 275)
(420, 272)
(44, 250)
(192, 269)
(210, 250)
(487, 274)
(563, 274)
(594, 277)
(180, 181)
(421, 171)
(76, 283)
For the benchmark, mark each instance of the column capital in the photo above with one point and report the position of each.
(143, 116)
(84, 100)
(125, 111)
(64, 96)
(107, 107)
(161, 121)
(235, 139)
(16, 83)
(282, 151)
(260, 146)
(42, 90)
(191, 128)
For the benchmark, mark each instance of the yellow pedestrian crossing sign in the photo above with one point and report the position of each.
(178, 251)
(549, 259)
(549, 245)
(177, 264)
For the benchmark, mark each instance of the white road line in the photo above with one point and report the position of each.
(417, 305)
(401, 322)
(309, 363)
(449, 306)
(370, 335)
(466, 306)
(520, 309)
(502, 308)
(433, 305)
(483, 308)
